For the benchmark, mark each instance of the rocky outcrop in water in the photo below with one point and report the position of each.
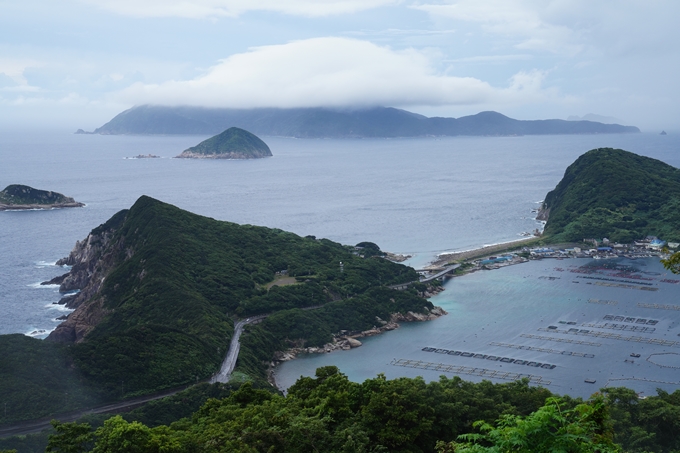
(20, 197)
(543, 213)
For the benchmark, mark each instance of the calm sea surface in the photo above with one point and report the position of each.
(416, 196)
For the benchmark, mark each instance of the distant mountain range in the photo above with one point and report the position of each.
(329, 123)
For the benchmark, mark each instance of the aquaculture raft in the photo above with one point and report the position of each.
(472, 371)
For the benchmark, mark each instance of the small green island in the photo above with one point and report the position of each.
(20, 197)
(234, 143)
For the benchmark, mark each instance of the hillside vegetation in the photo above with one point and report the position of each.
(615, 194)
(328, 413)
(165, 286)
(234, 143)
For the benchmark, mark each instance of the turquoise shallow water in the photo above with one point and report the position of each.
(508, 305)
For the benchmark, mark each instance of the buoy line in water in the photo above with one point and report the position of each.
(659, 306)
(560, 340)
(473, 371)
(615, 336)
(535, 348)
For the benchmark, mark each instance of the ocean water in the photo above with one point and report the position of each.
(417, 196)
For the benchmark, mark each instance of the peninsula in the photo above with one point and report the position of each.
(322, 122)
(20, 197)
(234, 143)
(161, 291)
(615, 194)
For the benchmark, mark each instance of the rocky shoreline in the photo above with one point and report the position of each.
(345, 340)
(27, 207)
(231, 156)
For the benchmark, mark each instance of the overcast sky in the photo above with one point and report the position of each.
(77, 63)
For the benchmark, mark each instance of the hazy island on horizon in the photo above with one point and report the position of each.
(320, 122)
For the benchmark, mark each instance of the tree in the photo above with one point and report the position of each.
(551, 429)
(70, 437)
(672, 263)
(119, 436)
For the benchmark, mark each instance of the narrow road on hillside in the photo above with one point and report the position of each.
(234, 347)
(35, 426)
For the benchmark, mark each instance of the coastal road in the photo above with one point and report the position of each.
(445, 271)
(234, 347)
(35, 426)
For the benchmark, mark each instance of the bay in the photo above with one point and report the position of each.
(548, 312)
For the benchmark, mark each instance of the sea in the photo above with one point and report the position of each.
(415, 196)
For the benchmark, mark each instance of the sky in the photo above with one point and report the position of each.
(77, 63)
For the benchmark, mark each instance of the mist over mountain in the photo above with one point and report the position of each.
(331, 123)
(597, 118)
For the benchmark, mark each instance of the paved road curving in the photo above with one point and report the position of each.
(234, 347)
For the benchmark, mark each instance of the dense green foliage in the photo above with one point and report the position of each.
(233, 141)
(181, 276)
(155, 413)
(615, 194)
(20, 194)
(176, 283)
(645, 425)
(331, 414)
(37, 379)
(552, 428)
(285, 329)
(328, 413)
(672, 263)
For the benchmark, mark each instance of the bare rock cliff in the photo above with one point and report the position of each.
(543, 213)
(91, 260)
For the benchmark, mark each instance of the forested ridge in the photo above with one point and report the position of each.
(615, 194)
(176, 283)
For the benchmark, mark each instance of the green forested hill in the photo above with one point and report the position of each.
(234, 143)
(615, 194)
(165, 286)
(181, 277)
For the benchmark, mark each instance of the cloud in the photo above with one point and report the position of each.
(198, 9)
(334, 72)
(526, 21)
(14, 69)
